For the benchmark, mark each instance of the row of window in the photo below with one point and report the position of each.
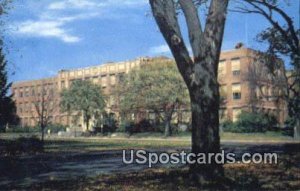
(31, 106)
(104, 80)
(34, 91)
(102, 69)
(235, 89)
(30, 121)
(235, 67)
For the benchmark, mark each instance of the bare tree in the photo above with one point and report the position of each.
(200, 74)
(283, 40)
(45, 105)
(265, 84)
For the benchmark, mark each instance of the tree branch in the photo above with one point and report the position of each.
(194, 25)
(214, 29)
(166, 18)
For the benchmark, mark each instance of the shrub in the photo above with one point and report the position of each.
(229, 126)
(250, 123)
(127, 127)
(55, 128)
(144, 126)
(109, 123)
(289, 124)
(25, 129)
(24, 145)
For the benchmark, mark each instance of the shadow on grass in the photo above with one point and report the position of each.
(78, 146)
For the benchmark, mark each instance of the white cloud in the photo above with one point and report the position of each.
(90, 4)
(162, 49)
(51, 26)
(46, 29)
(53, 17)
(72, 4)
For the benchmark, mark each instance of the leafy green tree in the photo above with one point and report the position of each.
(157, 87)
(7, 105)
(83, 98)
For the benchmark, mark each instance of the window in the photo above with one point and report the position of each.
(95, 79)
(32, 91)
(236, 72)
(112, 68)
(20, 108)
(236, 91)
(112, 79)
(235, 114)
(236, 95)
(121, 66)
(103, 80)
(26, 92)
(236, 66)
(121, 77)
(222, 68)
(223, 91)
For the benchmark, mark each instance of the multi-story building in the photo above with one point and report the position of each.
(246, 83)
(30, 95)
(240, 88)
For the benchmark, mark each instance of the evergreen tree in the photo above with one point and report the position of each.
(7, 105)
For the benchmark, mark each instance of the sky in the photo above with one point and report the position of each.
(42, 37)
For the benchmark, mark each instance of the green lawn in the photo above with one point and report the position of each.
(144, 140)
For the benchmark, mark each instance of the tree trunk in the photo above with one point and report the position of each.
(168, 118)
(200, 73)
(43, 132)
(87, 123)
(168, 130)
(297, 129)
(205, 131)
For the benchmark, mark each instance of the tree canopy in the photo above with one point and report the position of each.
(7, 105)
(82, 98)
(157, 87)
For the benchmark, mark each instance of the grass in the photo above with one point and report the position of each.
(282, 176)
(84, 144)
(267, 136)
(143, 140)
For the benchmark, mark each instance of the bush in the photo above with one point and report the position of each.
(144, 126)
(288, 129)
(25, 129)
(109, 123)
(24, 145)
(55, 128)
(229, 126)
(250, 123)
(126, 127)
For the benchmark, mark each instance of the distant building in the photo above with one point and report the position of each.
(245, 84)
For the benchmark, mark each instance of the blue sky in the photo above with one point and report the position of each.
(45, 36)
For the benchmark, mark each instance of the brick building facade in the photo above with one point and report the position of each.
(240, 89)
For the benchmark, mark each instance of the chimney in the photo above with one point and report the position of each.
(239, 45)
